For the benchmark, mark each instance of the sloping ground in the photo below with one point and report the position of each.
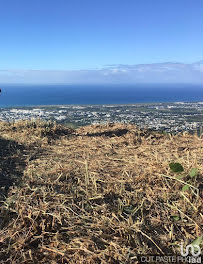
(100, 194)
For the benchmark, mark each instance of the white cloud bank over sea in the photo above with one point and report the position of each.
(168, 72)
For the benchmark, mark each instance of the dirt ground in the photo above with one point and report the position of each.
(98, 194)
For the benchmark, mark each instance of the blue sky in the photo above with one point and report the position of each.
(73, 35)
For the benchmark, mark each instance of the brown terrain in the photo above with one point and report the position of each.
(97, 194)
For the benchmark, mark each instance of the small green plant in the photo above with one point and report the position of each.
(176, 167)
(185, 188)
(175, 217)
(197, 242)
(193, 173)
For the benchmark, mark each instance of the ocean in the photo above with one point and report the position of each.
(32, 95)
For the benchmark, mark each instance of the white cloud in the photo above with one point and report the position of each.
(149, 73)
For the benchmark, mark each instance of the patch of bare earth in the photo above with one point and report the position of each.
(98, 194)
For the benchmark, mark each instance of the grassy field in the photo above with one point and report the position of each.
(97, 194)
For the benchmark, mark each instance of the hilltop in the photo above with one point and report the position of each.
(96, 194)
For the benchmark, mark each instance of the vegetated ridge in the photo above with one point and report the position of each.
(97, 194)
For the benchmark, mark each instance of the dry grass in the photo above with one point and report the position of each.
(100, 194)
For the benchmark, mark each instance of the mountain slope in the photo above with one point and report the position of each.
(98, 194)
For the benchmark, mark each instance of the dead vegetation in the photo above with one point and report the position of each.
(98, 194)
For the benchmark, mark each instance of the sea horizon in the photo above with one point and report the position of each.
(25, 95)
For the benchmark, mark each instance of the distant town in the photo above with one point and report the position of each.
(168, 117)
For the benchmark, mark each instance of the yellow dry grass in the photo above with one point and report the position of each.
(98, 194)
